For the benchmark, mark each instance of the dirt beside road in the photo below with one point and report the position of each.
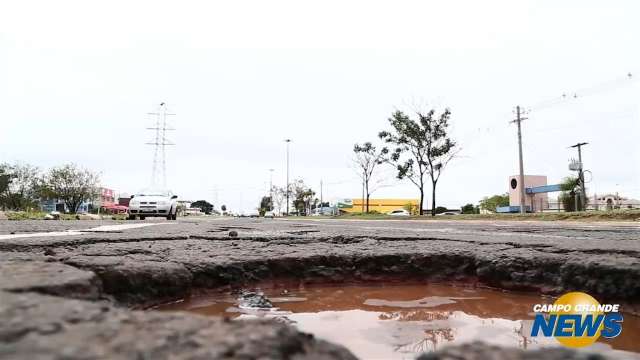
(104, 271)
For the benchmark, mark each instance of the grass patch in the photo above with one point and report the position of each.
(25, 215)
(615, 215)
(34, 215)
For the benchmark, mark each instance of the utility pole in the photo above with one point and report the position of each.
(518, 120)
(287, 187)
(271, 188)
(362, 196)
(583, 191)
(321, 199)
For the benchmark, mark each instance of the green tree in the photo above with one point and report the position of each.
(423, 147)
(412, 209)
(469, 209)
(495, 201)
(19, 186)
(266, 204)
(366, 159)
(302, 196)
(441, 209)
(71, 184)
(569, 187)
(203, 205)
(5, 178)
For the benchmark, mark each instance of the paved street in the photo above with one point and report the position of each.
(105, 265)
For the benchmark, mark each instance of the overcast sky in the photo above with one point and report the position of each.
(78, 77)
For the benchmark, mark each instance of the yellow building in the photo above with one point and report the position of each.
(382, 206)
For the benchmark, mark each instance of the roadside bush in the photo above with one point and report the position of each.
(440, 209)
(25, 215)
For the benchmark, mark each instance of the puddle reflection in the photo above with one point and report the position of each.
(398, 321)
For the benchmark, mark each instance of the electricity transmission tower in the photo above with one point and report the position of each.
(160, 142)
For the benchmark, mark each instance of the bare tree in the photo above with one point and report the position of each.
(278, 198)
(422, 147)
(366, 159)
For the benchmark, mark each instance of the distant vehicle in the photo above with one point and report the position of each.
(254, 214)
(153, 203)
(269, 214)
(193, 211)
(448, 213)
(399, 212)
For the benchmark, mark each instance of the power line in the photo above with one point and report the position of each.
(584, 92)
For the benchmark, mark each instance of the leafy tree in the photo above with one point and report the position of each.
(19, 186)
(569, 186)
(5, 178)
(302, 196)
(469, 209)
(72, 185)
(412, 209)
(223, 208)
(495, 201)
(203, 205)
(441, 209)
(366, 159)
(266, 204)
(423, 147)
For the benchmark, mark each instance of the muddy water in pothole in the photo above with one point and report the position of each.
(399, 321)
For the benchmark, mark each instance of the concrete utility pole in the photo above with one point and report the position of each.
(321, 199)
(583, 190)
(287, 187)
(271, 184)
(518, 120)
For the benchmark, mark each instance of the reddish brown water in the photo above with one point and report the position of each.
(398, 321)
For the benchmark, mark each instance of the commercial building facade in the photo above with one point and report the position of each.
(382, 206)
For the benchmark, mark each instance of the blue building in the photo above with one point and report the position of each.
(50, 205)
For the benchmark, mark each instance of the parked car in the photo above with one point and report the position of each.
(254, 214)
(269, 214)
(448, 213)
(399, 212)
(153, 203)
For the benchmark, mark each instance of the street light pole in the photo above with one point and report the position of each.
(287, 187)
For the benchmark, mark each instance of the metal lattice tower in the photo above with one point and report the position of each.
(160, 142)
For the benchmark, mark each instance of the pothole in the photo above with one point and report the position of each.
(398, 321)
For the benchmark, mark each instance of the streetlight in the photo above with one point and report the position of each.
(287, 187)
(271, 188)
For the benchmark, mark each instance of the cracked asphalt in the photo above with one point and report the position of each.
(79, 266)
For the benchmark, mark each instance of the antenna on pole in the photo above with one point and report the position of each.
(160, 142)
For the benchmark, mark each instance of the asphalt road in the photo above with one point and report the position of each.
(64, 283)
(608, 237)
